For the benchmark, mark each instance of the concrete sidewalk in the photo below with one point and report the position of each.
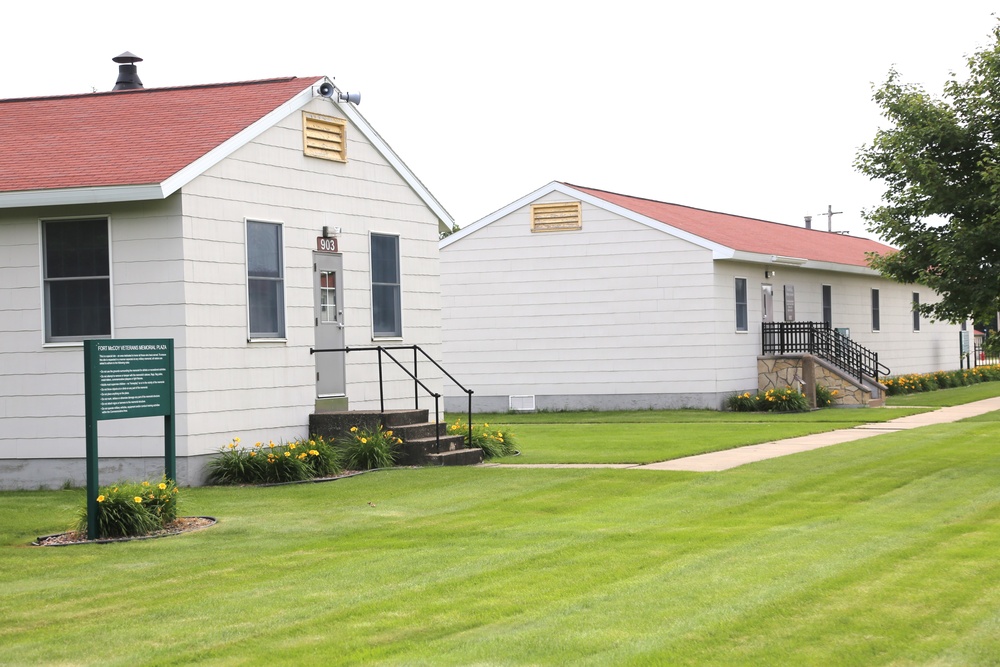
(732, 458)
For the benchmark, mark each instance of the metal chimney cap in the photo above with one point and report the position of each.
(127, 57)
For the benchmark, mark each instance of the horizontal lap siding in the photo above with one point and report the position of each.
(41, 388)
(616, 307)
(266, 390)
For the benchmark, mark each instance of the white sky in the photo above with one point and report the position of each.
(752, 108)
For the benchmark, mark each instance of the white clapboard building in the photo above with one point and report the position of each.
(249, 222)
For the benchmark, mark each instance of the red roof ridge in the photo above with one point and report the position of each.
(139, 91)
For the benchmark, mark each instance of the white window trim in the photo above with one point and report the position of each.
(914, 315)
(746, 289)
(41, 278)
(246, 278)
(371, 288)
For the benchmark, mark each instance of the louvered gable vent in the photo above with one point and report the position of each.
(325, 137)
(556, 217)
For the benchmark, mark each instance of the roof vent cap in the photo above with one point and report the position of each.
(128, 74)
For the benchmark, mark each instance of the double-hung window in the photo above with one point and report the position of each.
(741, 304)
(265, 280)
(77, 278)
(387, 319)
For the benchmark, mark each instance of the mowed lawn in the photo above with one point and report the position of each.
(877, 552)
(647, 436)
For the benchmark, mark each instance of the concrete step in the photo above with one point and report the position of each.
(415, 431)
(418, 451)
(420, 444)
(459, 457)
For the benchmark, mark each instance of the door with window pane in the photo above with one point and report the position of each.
(328, 292)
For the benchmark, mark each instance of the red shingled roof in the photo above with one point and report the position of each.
(129, 137)
(749, 234)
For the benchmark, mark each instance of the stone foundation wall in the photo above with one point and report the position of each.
(804, 372)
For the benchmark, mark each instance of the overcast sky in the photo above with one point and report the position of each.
(752, 108)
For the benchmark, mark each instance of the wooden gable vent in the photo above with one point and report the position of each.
(324, 137)
(556, 217)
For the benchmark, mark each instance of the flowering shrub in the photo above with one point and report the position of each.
(273, 463)
(127, 509)
(772, 400)
(366, 450)
(825, 396)
(494, 442)
(918, 382)
(745, 402)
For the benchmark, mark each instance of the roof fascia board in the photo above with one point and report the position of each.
(397, 163)
(718, 251)
(813, 265)
(76, 196)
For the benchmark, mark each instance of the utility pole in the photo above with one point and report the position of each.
(829, 213)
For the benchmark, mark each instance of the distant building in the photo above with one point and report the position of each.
(577, 298)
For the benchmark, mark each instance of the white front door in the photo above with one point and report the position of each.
(328, 290)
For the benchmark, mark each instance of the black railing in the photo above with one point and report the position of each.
(819, 339)
(982, 357)
(417, 383)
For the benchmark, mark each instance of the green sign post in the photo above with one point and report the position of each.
(126, 379)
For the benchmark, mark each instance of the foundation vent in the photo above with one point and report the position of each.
(522, 403)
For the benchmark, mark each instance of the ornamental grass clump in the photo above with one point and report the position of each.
(273, 463)
(772, 400)
(130, 509)
(495, 442)
(367, 450)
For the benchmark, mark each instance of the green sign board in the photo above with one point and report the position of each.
(125, 379)
(129, 378)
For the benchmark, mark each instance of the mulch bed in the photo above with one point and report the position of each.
(183, 524)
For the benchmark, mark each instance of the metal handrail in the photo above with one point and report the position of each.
(819, 339)
(417, 383)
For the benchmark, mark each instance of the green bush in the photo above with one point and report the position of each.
(129, 509)
(367, 450)
(919, 382)
(772, 400)
(825, 396)
(745, 402)
(495, 443)
(273, 463)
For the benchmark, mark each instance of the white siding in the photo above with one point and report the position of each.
(266, 390)
(614, 308)
(41, 386)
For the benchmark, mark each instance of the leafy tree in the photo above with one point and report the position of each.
(940, 162)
